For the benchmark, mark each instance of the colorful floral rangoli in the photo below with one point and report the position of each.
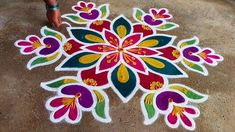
(123, 56)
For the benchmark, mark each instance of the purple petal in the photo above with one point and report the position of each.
(162, 100)
(85, 98)
(91, 15)
(188, 53)
(149, 20)
(51, 46)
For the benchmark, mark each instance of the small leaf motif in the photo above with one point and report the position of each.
(104, 9)
(74, 18)
(193, 95)
(55, 84)
(167, 26)
(195, 67)
(42, 61)
(45, 31)
(138, 14)
(101, 111)
(187, 42)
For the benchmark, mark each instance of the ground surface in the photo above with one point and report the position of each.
(22, 100)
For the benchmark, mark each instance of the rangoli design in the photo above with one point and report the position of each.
(123, 56)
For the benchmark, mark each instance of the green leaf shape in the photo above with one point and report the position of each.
(58, 83)
(87, 36)
(148, 103)
(50, 32)
(122, 27)
(156, 41)
(104, 11)
(195, 67)
(138, 14)
(191, 94)
(187, 42)
(162, 66)
(124, 80)
(41, 61)
(81, 60)
(74, 18)
(100, 106)
(167, 26)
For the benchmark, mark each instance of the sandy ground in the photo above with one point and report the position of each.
(22, 100)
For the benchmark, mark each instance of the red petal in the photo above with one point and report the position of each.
(109, 61)
(33, 38)
(190, 110)
(101, 48)
(111, 38)
(131, 40)
(73, 113)
(186, 121)
(143, 51)
(133, 62)
(56, 102)
(172, 118)
(144, 29)
(100, 25)
(162, 11)
(72, 46)
(151, 81)
(90, 77)
(60, 112)
(170, 53)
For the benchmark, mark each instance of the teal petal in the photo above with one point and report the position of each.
(161, 66)
(124, 80)
(87, 36)
(122, 27)
(81, 60)
(156, 41)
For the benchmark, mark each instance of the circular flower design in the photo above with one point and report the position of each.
(71, 101)
(87, 11)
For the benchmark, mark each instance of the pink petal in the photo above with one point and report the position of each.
(154, 12)
(207, 51)
(214, 57)
(33, 38)
(133, 62)
(186, 120)
(142, 51)
(172, 118)
(60, 112)
(166, 16)
(24, 43)
(28, 49)
(82, 4)
(101, 48)
(73, 113)
(190, 111)
(109, 61)
(111, 38)
(208, 60)
(77, 8)
(56, 102)
(162, 11)
(131, 40)
(90, 5)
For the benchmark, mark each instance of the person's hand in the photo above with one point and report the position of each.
(54, 18)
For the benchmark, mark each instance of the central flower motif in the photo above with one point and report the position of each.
(120, 49)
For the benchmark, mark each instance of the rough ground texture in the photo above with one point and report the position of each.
(22, 100)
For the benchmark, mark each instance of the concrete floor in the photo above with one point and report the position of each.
(22, 100)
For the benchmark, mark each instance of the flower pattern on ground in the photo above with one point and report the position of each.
(123, 56)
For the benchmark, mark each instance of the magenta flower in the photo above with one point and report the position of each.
(29, 45)
(72, 100)
(157, 16)
(87, 10)
(183, 115)
(209, 56)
